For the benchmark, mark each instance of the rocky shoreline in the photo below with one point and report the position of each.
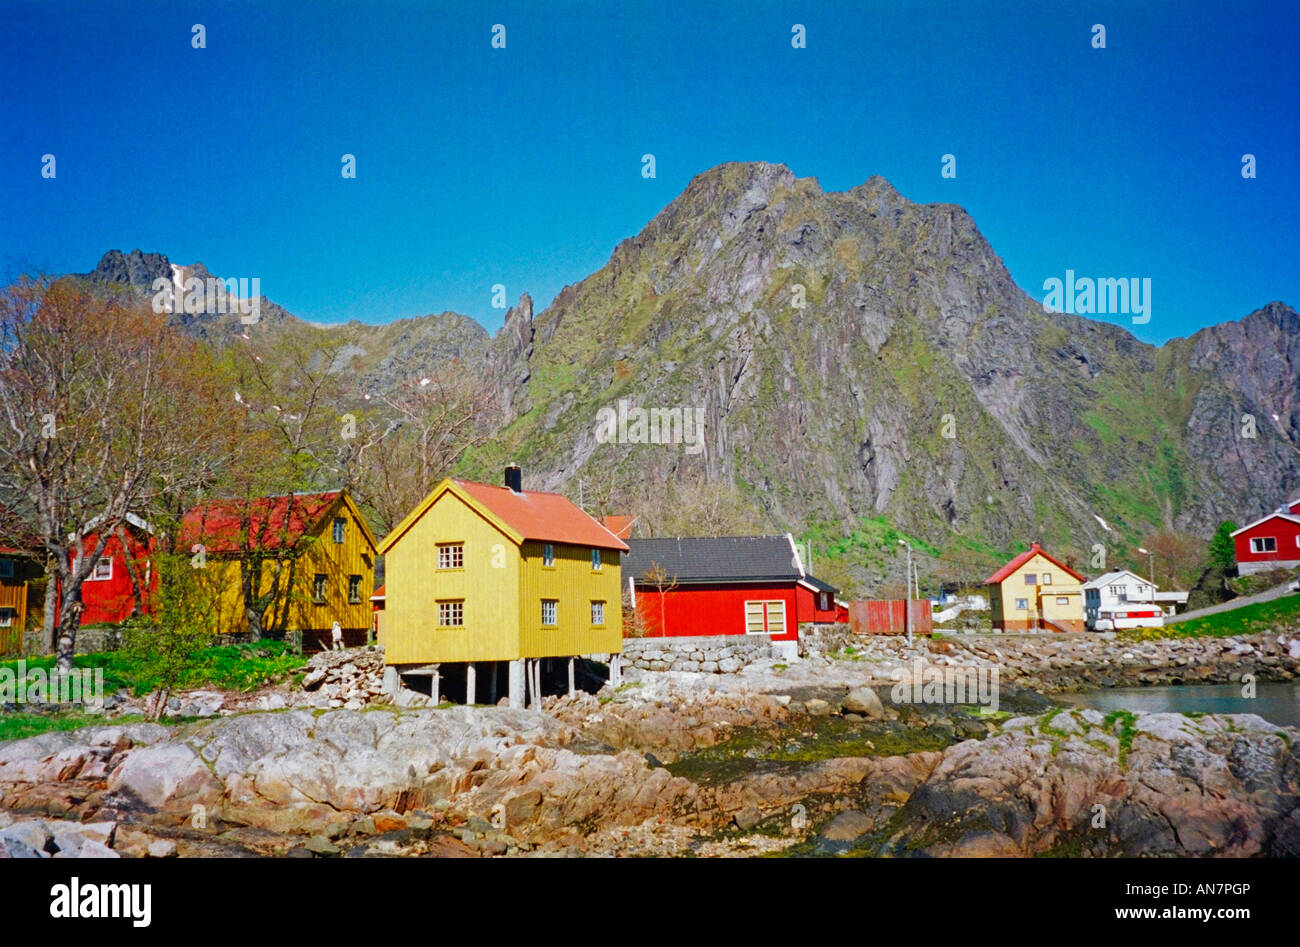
(810, 759)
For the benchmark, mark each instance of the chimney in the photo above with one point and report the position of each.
(514, 478)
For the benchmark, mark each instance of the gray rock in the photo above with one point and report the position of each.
(846, 827)
(865, 701)
(320, 845)
(26, 839)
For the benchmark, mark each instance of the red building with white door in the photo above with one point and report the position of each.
(1272, 542)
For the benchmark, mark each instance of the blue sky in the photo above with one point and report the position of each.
(521, 166)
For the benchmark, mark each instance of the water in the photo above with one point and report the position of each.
(1277, 703)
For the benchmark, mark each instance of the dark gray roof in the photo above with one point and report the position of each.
(819, 584)
(700, 559)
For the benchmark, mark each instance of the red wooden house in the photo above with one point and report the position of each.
(726, 585)
(122, 582)
(1271, 542)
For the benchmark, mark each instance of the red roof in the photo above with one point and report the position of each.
(379, 593)
(620, 526)
(1020, 560)
(273, 522)
(548, 517)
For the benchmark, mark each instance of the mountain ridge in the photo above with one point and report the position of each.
(917, 382)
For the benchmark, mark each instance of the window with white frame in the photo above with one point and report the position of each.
(340, 530)
(1022, 604)
(1062, 600)
(354, 590)
(1047, 578)
(7, 616)
(451, 613)
(103, 569)
(451, 555)
(548, 555)
(318, 584)
(1031, 578)
(550, 611)
(595, 558)
(765, 618)
(1263, 544)
(598, 613)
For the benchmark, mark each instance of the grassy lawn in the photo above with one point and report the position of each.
(1277, 615)
(236, 668)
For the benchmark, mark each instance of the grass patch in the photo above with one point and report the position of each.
(242, 667)
(22, 726)
(1280, 613)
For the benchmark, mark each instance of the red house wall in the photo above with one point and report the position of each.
(807, 609)
(711, 609)
(107, 601)
(1285, 531)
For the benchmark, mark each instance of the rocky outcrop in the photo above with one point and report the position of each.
(1084, 783)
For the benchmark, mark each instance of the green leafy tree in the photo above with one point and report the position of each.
(165, 646)
(1223, 553)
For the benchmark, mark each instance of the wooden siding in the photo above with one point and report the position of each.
(295, 610)
(488, 583)
(336, 561)
(574, 584)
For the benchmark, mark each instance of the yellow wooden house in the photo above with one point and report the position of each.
(1034, 591)
(489, 588)
(313, 554)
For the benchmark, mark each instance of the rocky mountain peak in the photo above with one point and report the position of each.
(135, 269)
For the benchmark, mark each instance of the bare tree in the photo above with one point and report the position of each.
(415, 437)
(105, 409)
(696, 509)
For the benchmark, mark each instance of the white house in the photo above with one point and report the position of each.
(1122, 599)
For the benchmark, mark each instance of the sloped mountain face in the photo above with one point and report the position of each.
(917, 382)
(384, 356)
(856, 355)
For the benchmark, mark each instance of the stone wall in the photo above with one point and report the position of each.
(88, 640)
(718, 654)
(823, 638)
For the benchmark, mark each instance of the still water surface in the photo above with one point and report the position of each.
(1276, 702)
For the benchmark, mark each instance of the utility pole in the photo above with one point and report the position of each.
(907, 603)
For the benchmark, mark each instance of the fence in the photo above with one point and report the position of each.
(889, 616)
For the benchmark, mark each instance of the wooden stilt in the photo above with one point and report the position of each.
(572, 688)
(471, 675)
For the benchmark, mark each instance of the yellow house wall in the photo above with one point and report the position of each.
(488, 584)
(1003, 605)
(336, 561)
(574, 584)
(321, 554)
